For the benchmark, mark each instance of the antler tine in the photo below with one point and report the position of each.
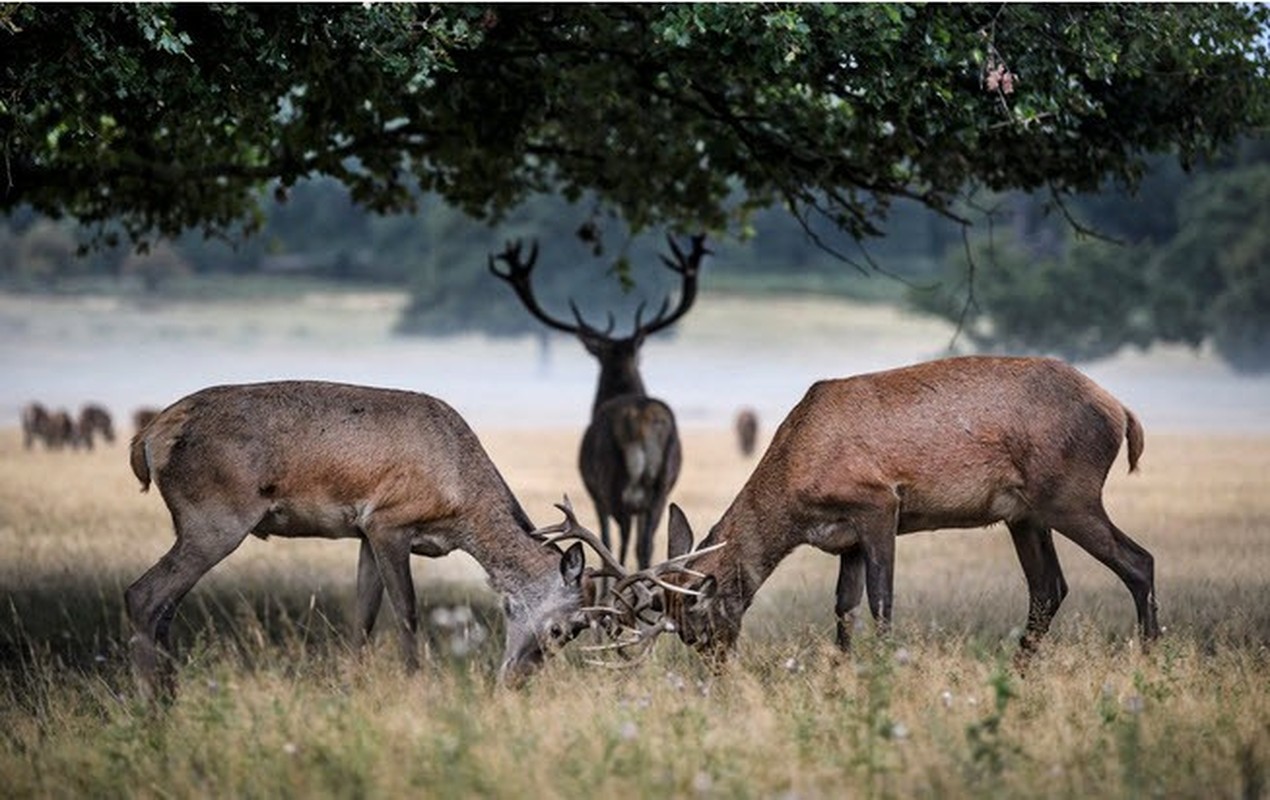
(687, 266)
(572, 529)
(517, 275)
(644, 639)
(677, 565)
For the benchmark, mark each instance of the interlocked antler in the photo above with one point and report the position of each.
(633, 595)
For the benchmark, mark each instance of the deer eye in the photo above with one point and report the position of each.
(556, 631)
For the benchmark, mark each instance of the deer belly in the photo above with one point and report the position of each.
(306, 519)
(971, 508)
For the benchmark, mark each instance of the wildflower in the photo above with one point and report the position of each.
(628, 731)
(946, 697)
(290, 748)
(903, 657)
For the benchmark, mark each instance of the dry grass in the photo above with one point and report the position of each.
(275, 703)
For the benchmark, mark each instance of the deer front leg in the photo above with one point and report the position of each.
(391, 549)
(850, 590)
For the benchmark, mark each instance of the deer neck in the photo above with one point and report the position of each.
(617, 379)
(755, 546)
(511, 557)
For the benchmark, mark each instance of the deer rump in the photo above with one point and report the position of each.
(630, 457)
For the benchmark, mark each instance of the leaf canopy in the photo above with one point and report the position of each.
(171, 116)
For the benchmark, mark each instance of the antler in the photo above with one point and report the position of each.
(517, 275)
(571, 529)
(632, 594)
(688, 266)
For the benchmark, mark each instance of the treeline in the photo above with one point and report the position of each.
(1189, 262)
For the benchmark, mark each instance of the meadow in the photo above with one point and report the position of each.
(275, 701)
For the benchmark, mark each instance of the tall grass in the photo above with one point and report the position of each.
(275, 700)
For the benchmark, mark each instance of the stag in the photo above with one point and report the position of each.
(94, 420)
(956, 443)
(400, 471)
(630, 454)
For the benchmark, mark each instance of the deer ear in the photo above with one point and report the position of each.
(680, 532)
(572, 564)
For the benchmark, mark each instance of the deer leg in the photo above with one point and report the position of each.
(391, 548)
(623, 535)
(370, 591)
(647, 527)
(1133, 564)
(1046, 588)
(153, 598)
(850, 590)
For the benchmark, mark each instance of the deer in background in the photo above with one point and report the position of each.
(630, 454)
(398, 470)
(746, 431)
(94, 420)
(36, 424)
(957, 443)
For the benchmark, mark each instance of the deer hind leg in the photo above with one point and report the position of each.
(153, 598)
(850, 590)
(370, 591)
(391, 550)
(647, 531)
(1046, 587)
(879, 526)
(1094, 531)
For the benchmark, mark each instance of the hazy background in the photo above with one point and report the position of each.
(728, 352)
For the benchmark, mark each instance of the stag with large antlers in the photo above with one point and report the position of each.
(630, 454)
(398, 470)
(956, 443)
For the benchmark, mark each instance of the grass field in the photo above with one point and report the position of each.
(275, 702)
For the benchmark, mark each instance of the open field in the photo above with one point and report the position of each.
(275, 702)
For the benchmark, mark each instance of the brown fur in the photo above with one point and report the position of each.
(956, 443)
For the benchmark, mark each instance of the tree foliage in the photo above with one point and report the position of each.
(174, 116)
(1192, 269)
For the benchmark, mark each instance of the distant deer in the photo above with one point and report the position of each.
(400, 471)
(630, 454)
(36, 425)
(746, 430)
(94, 420)
(956, 443)
(61, 430)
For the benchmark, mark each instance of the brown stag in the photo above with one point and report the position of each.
(93, 421)
(630, 455)
(956, 443)
(398, 470)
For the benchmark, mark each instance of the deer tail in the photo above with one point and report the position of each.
(1133, 435)
(139, 458)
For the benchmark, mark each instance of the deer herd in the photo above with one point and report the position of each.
(954, 443)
